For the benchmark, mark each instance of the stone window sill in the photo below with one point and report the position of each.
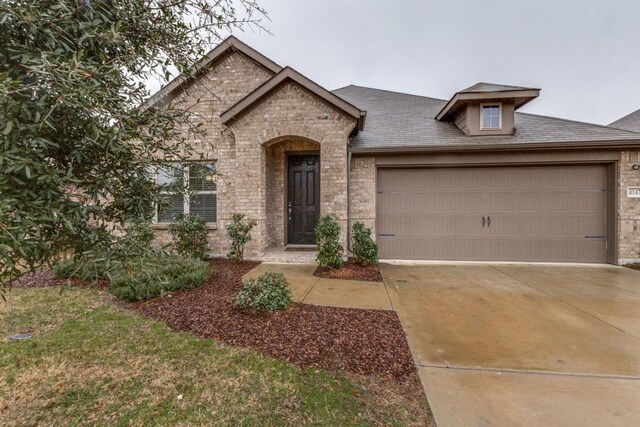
(165, 226)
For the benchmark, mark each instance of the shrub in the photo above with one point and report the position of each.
(269, 292)
(137, 239)
(85, 269)
(240, 234)
(365, 249)
(157, 276)
(329, 249)
(189, 233)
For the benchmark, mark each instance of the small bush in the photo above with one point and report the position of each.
(189, 233)
(157, 276)
(365, 249)
(85, 269)
(240, 234)
(137, 240)
(329, 249)
(269, 292)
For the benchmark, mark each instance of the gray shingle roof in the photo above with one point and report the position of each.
(492, 87)
(629, 122)
(396, 120)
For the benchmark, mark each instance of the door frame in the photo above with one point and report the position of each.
(285, 199)
(611, 167)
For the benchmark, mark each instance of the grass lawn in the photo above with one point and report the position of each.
(93, 361)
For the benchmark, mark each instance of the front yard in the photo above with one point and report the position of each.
(93, 360)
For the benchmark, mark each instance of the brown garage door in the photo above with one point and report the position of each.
(541, 213)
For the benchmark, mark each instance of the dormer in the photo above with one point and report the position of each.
(486, 109)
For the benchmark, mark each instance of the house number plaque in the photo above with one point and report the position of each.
(633, 192)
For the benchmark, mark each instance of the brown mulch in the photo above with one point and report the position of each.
(44, 277)
(633, 266)
(366, 342)
(351, 271)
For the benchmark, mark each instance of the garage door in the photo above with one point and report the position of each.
(541, 213)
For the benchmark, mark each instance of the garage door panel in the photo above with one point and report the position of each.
(544, 213)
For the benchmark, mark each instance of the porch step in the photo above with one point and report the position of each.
(300, 248)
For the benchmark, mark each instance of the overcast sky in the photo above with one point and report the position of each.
(583, 54)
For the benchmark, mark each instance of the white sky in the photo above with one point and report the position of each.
(583, 54)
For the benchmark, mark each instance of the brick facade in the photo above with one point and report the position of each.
(628, 209)
(251, 154)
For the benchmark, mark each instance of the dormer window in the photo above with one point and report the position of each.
(491, 116)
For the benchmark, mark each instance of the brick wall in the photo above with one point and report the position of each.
(223, 86)
(629, 209)
(291, 112)
(362, 191)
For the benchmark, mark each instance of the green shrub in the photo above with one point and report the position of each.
(189, 233)
(157, 276)
(269, 292)
(83, 269)
(239, 232)
(329, 249)
(137, 240)
(365, 249)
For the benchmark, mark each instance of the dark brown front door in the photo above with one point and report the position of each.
(303, 202)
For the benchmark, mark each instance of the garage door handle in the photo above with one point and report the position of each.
(482, 222)
(489, 221)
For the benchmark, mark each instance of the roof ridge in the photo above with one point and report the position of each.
(624, 117)
(577, 121)
(391, 91)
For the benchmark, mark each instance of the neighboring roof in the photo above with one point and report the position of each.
(487, 92)
(284, 77)
(628, 122)
(216, 55)
(401, 121)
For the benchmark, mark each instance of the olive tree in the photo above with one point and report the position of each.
(76, 140)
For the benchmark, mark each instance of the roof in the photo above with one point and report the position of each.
(402, 121)
(487, 92)
(285, 76)
(492, 87)
(628, 122)
(215, 55)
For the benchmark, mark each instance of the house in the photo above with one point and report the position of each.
(470, 178)
(628, 122)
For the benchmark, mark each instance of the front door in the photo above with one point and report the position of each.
(303, 204)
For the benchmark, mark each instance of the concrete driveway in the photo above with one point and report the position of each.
(510, 345)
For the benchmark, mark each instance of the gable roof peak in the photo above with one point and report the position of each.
(215, 55)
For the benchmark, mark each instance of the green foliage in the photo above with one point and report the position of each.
(88, 269)
(97, 264)
(190, 235)
(365, 250)
(157, 276)
(269, 292)
(329, 249)
(239, 232)
(77, 139)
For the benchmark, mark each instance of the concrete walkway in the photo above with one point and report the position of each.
(523, 345)
(309, 289)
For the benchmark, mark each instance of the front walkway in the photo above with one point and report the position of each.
(309, 289)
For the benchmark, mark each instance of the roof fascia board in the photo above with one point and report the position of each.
(210, 58)
(245, 105)
(498, 147)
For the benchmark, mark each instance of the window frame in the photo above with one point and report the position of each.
(491, 104)
(186, 203)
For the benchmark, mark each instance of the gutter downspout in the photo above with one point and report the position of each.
(348, 203)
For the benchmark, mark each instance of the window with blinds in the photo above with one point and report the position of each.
(201, 198)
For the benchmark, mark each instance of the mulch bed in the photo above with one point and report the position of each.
(366, 342)
(350, 271)
(44, 277)
(633, 266)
